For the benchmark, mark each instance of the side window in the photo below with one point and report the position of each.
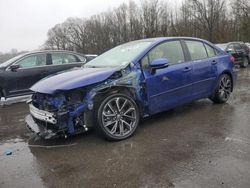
(171, 50)
(245, 47)
(210, 50)
(33, 61)
(196, 49)
(217, 52)
(59, 58)
(231, 47)
(237, 47)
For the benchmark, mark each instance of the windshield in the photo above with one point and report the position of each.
(119, 56)
(6, 63)
(222, 46)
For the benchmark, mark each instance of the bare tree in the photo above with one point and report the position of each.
(209, 19)
(241, 13)
(206, 15)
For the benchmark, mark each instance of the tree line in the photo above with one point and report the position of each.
(215, 20)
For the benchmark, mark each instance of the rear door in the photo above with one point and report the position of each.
(231, 49)
(204, 67)
(171, 86)
(19, 81)
(240, 52)
(59, 61)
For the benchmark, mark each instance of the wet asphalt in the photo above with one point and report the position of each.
(197, 145)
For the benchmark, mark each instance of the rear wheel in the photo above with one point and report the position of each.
(223, 90)
(118, 117)
(1, 94)
(245, 63)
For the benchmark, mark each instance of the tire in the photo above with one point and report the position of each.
(1, 94)
(244, 63)
(117, 117)
(223, 89)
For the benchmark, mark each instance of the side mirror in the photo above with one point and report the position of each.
(14, 67)
(158, 64)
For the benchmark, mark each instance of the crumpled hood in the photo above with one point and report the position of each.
(72, 79)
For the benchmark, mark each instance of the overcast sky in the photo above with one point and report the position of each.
(24, 23)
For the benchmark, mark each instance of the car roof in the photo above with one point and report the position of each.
(237, 42)
(159, 39)
(6, 63)
(51, 51)
(234, 42)
(221, 43)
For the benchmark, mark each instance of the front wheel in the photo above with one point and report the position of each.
(223, 90)
(118, 117)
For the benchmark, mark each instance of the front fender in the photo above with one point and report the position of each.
(131, 82)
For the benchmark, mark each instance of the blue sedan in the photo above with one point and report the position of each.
(131, 81)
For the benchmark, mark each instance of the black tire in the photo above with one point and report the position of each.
(1, 94)
(117, 117)
(244, 62)
(223, 89)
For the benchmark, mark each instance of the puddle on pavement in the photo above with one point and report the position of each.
(22, 160)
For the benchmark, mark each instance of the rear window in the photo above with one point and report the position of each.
(218, 52)
(196, 49)
(210, 50)
(61, 58)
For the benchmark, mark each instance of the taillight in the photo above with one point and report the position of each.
(232, 58)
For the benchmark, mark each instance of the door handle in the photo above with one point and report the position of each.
(214, 62)
(187, 69)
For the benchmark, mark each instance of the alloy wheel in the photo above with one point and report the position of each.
(119, 116)
(225, 87)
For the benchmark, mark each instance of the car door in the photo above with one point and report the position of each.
(204, 67)
(240, 52)
(29, 71)
(171, 86)
(60, 61)
(231, 49)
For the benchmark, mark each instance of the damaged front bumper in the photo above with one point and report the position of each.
(39, 130)
(56, 124)
(42, 115)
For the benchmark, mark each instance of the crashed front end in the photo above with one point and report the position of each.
(60, 114)
(63, 104)
(60, 101)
